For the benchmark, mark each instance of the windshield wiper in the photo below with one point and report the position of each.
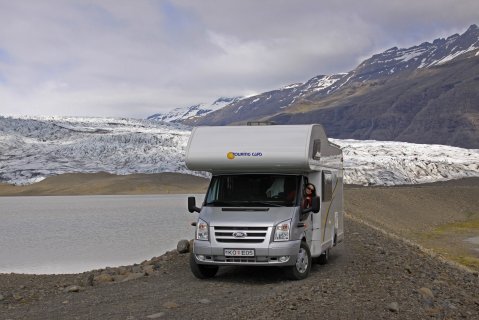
(268, 203)
(218, 203)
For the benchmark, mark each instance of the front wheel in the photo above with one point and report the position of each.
(202, 271)
(300, 270)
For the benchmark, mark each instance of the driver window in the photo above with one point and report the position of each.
(276, 188)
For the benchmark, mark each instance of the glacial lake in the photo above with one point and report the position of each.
(71, 234)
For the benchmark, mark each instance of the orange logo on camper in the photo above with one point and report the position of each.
(230, 155)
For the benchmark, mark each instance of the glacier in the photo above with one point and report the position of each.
(33, 148)
(390, 163)
(37, 147)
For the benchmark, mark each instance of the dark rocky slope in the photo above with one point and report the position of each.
(424, 94)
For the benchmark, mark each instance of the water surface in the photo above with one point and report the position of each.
(474, 241)
(69, 234)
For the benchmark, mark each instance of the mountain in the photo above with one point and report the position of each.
(32, 148)
(424, 94)
(192, 112)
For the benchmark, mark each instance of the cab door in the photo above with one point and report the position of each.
(314, 219)
(307, 222)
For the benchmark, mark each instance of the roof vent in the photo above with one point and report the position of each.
(260, 123)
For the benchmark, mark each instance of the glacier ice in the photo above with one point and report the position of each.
(32, 148)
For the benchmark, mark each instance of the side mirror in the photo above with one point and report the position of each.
(315, 205)
(192, 205)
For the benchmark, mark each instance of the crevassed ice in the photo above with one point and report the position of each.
(32, 148)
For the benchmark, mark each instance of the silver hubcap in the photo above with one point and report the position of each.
(302, 261)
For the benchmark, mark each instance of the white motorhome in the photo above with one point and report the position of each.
(253, 212)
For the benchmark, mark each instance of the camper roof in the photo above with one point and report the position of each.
(277, 148)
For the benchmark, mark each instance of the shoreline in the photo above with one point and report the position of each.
(102, 183)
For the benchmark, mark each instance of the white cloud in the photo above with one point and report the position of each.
(135, 58)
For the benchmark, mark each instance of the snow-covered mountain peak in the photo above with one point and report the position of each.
(424, 55)
(183, 113)
(291, 86)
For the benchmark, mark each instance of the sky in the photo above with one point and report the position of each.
(135, 58)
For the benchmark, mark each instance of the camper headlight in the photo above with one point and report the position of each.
(202, 232)
(281, 232)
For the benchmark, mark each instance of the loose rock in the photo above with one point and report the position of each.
(133, 276)
(183, 246)
(136, 269)
(156, 315)
(393, 307)
(149, 269)
(72, 288)
(205, 301)
(122, 270)
(104, 277)
(434, 311)
(89, 279)
(426, 293)
(170, 305)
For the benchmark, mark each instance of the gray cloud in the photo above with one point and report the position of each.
(135, 58)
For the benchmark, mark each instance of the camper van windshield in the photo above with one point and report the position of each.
(253, 190)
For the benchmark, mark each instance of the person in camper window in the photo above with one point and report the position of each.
(309, 193)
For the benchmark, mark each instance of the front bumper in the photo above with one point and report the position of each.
(269, 255)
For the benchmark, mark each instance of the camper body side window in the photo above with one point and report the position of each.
(327, 186)
(317, 150)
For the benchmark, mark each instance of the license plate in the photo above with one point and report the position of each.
(239, 252)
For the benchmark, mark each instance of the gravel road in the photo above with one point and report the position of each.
(369, 276)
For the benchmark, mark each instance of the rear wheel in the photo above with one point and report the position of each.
(300, 270)
(324, 257)
(202, 271)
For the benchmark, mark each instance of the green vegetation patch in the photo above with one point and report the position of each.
(469, 226)
(468, 261)
(449, 240)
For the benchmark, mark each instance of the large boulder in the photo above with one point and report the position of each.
(183, 246)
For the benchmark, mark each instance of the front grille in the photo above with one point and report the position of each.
(262, 260)
(240, 259)
(240, 234)
(228, 240)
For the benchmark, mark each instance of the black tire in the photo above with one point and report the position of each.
(300, 270)
(324, 258)
(202, 271)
